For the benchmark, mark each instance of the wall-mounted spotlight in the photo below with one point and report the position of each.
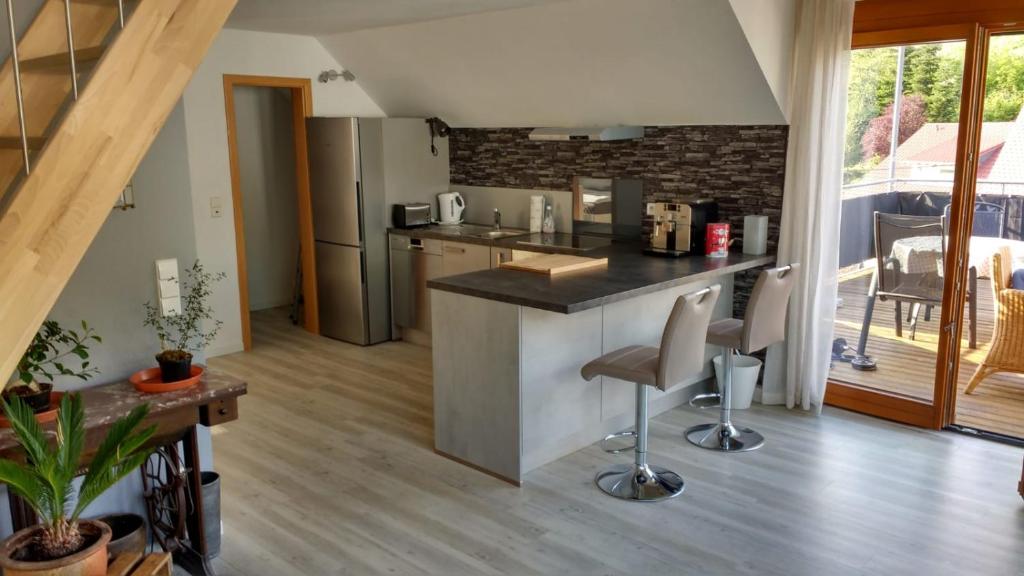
(330, 75)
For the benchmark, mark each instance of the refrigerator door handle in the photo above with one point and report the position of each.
(359, 211)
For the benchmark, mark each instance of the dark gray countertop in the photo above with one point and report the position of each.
(436, 232)
(535, 240)
(630, 273)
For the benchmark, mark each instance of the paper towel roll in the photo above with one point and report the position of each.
(536, 213)
(755, 235)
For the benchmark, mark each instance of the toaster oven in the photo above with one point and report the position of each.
(410, 215)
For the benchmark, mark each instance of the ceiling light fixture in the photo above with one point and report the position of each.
(329, 75)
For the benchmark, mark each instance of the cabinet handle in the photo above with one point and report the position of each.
(222, 411)
(455, 249)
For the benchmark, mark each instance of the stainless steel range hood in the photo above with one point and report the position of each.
(597, 133)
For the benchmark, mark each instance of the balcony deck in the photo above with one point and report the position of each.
(907, 366)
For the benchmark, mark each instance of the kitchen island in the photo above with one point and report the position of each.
(508, 347)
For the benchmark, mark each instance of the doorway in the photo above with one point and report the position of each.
(919, 315)
(904, 103)
(266, 118)
(989, 384)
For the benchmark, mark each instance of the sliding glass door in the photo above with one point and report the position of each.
(989, 386)
(901, 158)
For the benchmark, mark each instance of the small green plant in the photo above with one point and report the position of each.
(46, 357)
(182, 333)
(44, 482)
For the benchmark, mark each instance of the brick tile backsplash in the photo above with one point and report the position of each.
(741, 167)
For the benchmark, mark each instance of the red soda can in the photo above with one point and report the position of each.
(716, 242)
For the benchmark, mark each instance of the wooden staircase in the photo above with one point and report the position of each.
(82, 153)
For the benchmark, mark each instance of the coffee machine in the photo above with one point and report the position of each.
(678, 228)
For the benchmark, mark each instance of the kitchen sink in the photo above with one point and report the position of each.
(493, 234)
(479, 231)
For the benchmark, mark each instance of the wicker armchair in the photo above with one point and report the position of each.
(1006, 352)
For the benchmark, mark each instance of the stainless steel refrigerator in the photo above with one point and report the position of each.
(346, 178)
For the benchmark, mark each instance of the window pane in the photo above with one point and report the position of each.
(889, 321)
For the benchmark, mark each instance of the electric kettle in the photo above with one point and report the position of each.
(450, 206)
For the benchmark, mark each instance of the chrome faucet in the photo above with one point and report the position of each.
(497, 219)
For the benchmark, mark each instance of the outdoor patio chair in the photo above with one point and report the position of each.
(1004, 353)
(989, 219)
(910, 254)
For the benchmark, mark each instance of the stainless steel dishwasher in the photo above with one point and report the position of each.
(413, 262)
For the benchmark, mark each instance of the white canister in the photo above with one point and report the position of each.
(755, 235)
(536, 213)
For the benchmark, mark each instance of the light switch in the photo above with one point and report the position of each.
(168, 288)
(170, 306)
(167, 269)
(216, 207)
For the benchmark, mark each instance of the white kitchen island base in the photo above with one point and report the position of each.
(508, 395)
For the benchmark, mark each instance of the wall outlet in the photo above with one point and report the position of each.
(216, 207)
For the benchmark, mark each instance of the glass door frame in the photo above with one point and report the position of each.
(938, 412)
(963, 216)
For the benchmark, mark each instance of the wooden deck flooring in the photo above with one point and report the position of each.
(908, 366)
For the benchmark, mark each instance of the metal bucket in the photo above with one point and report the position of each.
(211, 512)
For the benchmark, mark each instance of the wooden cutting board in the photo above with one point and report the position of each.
(552, 264)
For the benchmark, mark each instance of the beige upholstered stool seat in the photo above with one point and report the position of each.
(633, 363)
(727, 333)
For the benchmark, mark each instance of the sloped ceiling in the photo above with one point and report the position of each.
(575, 63)
(316, 17)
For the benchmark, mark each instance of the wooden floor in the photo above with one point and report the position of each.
(908, 366)
(329, 471)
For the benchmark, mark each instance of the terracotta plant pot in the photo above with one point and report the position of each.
(91, 561)
(128, 534)
(37, 401)
(175, 365)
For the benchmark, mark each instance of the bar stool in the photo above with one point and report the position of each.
(763, 324)
(681, 354)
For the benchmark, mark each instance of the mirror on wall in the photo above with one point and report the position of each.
(607, 206)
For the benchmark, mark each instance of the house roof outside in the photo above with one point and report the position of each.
(925, 161)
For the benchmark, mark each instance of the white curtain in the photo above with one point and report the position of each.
(797, 370)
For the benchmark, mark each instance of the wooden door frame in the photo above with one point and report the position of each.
(886, 23)
(302, 108)
(892, 405)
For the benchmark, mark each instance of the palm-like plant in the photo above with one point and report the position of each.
(45, 480)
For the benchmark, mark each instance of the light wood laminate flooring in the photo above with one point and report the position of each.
(329, 470)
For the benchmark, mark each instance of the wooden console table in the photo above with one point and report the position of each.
(176, 415)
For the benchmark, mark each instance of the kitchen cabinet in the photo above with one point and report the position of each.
(460, 258)
(499, 255)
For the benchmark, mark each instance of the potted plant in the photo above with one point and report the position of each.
(64, 544)
(46, 357)
(181, 334)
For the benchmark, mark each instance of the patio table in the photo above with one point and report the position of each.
(923, 254)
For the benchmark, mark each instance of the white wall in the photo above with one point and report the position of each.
(241, 52)
(116, 277)
(266, 160)
(575, 63)
(412, 174)
(770, 28)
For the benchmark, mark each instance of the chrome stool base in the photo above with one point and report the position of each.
(615, 436)
(643, 483)
(724, 438)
